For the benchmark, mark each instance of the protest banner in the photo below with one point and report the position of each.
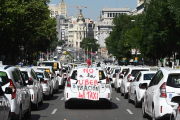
(88, 86)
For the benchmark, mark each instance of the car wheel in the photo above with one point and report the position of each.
(136, 101)
(28, 113)
(125, 95)
(36, 105)
(118, 90)
(129, 99)
(20, 114)
(143, 110)
(9, 116)
(121, 92)
(41, 102)
(153, 114)
(115, 89)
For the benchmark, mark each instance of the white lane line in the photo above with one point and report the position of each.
(62, 98)
(54, 111)
(129, 111)
(117, 99)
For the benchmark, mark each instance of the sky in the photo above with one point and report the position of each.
(95, 6)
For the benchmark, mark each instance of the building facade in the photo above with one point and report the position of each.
(79, 28)
(104, 26)
(58, 10)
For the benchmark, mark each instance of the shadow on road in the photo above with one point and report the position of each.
(43, 107)
(54, 97)
(79, 106)
(34, 117)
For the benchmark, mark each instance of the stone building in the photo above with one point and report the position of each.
(60, 10)
(78, 29)
(104, 26)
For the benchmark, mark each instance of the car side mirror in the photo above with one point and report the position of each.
(143, 86)
(130, 80)
(58, 74)
(30, 82)
(8, 90)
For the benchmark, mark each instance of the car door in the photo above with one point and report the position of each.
(132, 85)
(35, 85)
(26, 91)
(23, 90)
(155, 88)
(136, 84)
(148, 92)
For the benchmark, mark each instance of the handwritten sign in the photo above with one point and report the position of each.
(88, 86)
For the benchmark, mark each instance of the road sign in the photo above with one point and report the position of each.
(124, 59)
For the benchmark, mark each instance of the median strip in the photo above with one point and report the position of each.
(129, 111)
(54, 111)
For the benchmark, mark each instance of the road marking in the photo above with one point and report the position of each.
(62, 98)
(129, 111)
(54, 111)
(117, 99)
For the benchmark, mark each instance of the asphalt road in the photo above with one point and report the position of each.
(54, 110)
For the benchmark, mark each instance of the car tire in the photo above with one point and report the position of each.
(143, 110)
(36, 105)
(136, 103)
(9, 116)
(115, 89)
(118, 90)
(129, 99)
(20, 114)
(153, 114)
(41, 102)
(121, 92)
(28, 113)
(125, 94)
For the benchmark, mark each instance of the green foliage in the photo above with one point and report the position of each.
(61, 42)
(25, 23)
(88, 43)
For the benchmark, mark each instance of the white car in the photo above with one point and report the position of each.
(163, 89)
(52, 75)
(130, 74)
(136, 92)
(57, 67)
(112, 77)
(119, 77)
(5, 107)
(34, 85)
(46, 83)
(99, 88)
(20, 99)
(176, 112)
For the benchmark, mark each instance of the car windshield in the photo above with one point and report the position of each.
(173, 80)
(101, 75)
(148, 76)
(26, 75)
(65, 67)
(3, 78)
(134, 72)
(39, 75)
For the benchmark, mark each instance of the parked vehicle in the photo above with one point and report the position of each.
(119, 77)
(136, 92)
(20, 99)
(52, 75)
(113, 73)
(130, 74)
(34, 85)
(46, 83)
(5, 107)
(57, 67)
(71, 90)
(160, 93)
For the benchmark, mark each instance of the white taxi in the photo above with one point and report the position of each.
(163, 89)
(129, 75)
(136, 92)
(87, 84)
